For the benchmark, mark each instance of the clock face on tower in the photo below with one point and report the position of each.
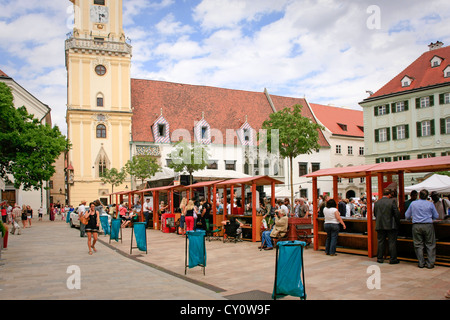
(99, 14)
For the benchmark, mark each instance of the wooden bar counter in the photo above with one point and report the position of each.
(354, 239)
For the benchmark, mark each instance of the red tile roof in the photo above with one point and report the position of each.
(182, 105)
(421, 72)
(335, 118)
(2, 74)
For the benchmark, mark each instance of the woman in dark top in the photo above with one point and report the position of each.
(189, 218)
(92, 226)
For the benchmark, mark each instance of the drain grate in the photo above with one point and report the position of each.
(250, 295)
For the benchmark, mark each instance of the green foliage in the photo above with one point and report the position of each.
(296, 134)
(291, 134)
(187, 157)
(113, 177)
(142, 167)
(28, 149)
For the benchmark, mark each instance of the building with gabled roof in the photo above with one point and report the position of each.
(409, 117)
(226, 120)
(344, 130)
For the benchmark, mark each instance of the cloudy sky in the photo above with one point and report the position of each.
(329, 51)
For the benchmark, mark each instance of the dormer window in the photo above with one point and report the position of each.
(343, 126)
(160, 129)
(406, 81)
(245, 134)
(436, 61)
(202, 132)
(447, 72)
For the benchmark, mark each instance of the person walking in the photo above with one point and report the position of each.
(92, 227)
(29, 215)
(82, 210)
(16, 216)
(24, 216)
(331, 226)
(387, 223)
(423, 212)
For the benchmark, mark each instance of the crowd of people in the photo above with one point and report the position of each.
(422, 209)
(18, 217)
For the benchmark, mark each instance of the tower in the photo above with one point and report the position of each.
(98, 61)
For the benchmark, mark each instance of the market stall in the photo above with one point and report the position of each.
(252, 221)
(360, 238)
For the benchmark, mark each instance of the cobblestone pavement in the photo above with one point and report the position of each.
(35, 266)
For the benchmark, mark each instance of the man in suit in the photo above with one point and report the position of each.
(387, 222)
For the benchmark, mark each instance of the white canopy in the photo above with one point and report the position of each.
(436, 182)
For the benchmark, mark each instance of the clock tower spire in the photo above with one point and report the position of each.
(98, 61)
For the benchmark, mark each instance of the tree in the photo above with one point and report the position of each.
(296, 135)
(28, 148)
(142, 167)
(187, 157)
(113, 177)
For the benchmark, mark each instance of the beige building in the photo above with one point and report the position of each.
(98, 97)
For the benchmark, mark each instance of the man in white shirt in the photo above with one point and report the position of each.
(146, 210)
(82, 210)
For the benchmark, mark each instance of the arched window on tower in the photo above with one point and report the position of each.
(101, 131)
(101, 163)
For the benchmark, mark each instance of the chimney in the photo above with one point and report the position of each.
(434, 46)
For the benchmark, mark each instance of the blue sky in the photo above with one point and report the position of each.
(329, 51)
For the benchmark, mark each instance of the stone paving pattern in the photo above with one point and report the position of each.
(34, 266)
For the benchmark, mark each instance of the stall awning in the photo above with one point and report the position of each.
(203, 184)
(258, 180)
(407, 166)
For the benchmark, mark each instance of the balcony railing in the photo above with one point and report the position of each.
(98, 45)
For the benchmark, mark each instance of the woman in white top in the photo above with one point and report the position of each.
(331, 226)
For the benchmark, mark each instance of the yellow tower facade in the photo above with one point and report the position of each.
(98, 61)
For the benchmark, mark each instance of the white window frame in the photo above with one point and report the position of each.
(400, 106)
(426, 128)
(382, 134)
(401, 132)
(447, 97)
(338, 149)
(350, 150)
(447, 125)
(424, 102)
(382, 110)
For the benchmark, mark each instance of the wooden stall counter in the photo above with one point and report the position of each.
(405, 246)
(354, 239)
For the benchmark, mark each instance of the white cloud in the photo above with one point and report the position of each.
(168, 26)
(321, 49)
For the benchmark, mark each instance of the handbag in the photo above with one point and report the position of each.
(83, 220)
